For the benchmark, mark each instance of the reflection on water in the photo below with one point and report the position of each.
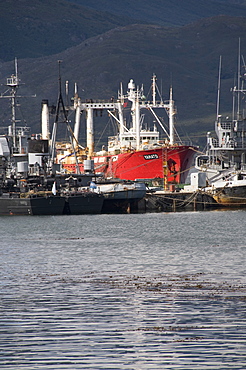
(154, 291)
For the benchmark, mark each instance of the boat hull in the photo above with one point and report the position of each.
(122, 197)
(50, 205)
(171, 163)
(231, 196)
(119, 205)
(14, 206)
(34, 205)
(84, 203)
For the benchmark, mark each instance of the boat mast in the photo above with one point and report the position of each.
(218, 90)
(90, 131)
(13, 83)
(77, 115)
(171, 114)
(238, 80)
(154, 89)
(169, 109)
(137, 119)
(120, 112)
(133, 96)
(60, 102)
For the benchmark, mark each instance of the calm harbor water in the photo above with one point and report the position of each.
(138, 291)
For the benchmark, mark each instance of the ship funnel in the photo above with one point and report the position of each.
(45, 120)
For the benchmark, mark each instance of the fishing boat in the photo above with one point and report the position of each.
(120, 196)
(225, 160)
(137, 151)
(28, 186)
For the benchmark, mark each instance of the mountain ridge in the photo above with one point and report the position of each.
(167, 12)
(46, 27)
(186, 57)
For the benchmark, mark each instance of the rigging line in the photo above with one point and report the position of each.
(98, 141)
(188, 169)
(243, 61)
(148, 94)
(177, 134)
(163, 122)
(116, 119)
(158, 120)
(174, 148)
(185, 133)
(18, 106)
(197, 151)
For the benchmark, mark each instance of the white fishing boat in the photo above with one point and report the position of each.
(225, 160)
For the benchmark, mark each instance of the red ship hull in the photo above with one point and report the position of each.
(169, 163)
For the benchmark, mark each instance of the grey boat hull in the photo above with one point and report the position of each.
(40, 205)
(122, 201)
(15, 206)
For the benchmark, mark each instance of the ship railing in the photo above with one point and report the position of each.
(240, 144)
(214, 143)
(226, 125)
(235, 144)
(185, 142)
(99, 101)
(157, 104)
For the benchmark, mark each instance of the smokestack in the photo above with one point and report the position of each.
(45, 120)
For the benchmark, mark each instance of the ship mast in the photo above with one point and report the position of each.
(154, 89)
(134, 96)
(77, 115)
(13, 84)
(169, 108)
(60, 102)
(120, 112)
(238, 80)
(171, 114)
(218, 90)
